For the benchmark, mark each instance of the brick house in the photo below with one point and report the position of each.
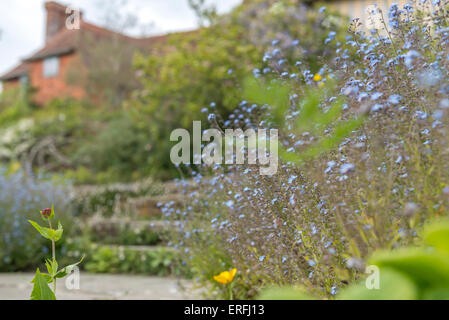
(46, 70)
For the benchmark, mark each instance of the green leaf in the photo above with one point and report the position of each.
(333, 114)
(436, 294)
(45, 232)
(311, 118)
(49, 267)
(341, 131)
(437, 235)
(310, 112)
(47, 277)
(286, 293)
(58, 232)
(41, 290)
(275, 94)
(393, 285)
(325, 144)
(426, 268)
(67, 270)
(52, 267)
(48, 233)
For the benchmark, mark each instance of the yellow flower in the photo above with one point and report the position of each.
(317, 77)
(14, 167)
(226, 276)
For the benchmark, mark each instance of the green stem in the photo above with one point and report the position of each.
(53, 254)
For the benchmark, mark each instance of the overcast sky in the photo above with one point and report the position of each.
(22, 22)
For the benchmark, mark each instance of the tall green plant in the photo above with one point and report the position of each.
(41, 281)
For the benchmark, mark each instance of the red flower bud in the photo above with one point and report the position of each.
(46, 213)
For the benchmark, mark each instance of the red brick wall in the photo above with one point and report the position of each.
(48, 89)
(10, 84)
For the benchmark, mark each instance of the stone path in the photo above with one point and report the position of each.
(16, 286)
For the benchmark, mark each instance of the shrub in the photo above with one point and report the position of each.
(44, 137)
(14, 105)
(307, 224)
(126, 234)
(120, 146)
(15, 139)
(159, 261)
(57, 138)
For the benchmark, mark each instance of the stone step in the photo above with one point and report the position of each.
(113, 226)
(134, 248)
(132, 199)
(148, 207)
(173, 187)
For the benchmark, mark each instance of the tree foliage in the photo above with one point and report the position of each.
(209, 65)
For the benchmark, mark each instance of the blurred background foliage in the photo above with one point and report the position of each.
(366, 189)
(208, 67)
(125, 136)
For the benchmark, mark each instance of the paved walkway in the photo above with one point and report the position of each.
(16, 286)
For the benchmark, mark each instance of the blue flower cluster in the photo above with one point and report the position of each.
(302, 225)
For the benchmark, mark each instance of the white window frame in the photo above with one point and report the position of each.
(50, 67)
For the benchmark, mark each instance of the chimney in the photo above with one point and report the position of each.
(56, 17)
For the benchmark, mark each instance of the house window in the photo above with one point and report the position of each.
(51, 67)
(23, 80)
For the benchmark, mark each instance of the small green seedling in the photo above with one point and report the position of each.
(41, 281)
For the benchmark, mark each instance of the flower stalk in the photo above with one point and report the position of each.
(41, 281)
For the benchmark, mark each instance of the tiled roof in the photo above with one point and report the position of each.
(67, 41)
(62, 43)
(17, 72)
